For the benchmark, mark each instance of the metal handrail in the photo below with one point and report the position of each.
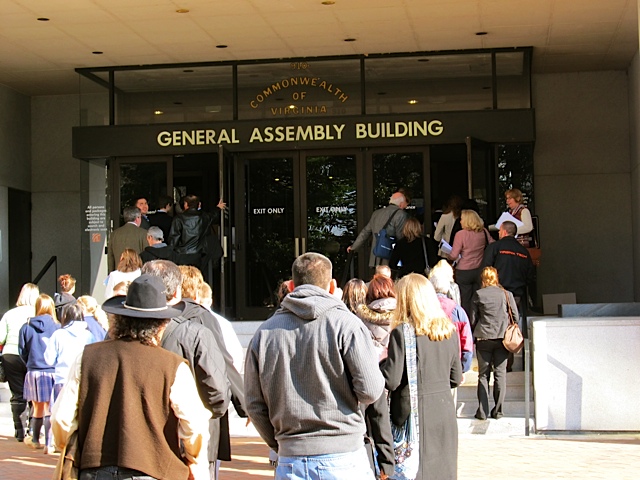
(45, 269)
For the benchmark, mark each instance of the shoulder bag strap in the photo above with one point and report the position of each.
(424, 250)
(389, 221)
(509, 311)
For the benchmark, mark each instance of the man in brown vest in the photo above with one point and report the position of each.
(131, 424)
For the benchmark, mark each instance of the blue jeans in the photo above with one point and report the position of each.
(333, 466)
(112, 473)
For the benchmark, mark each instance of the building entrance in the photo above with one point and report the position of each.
(285, 203)
(289, 203)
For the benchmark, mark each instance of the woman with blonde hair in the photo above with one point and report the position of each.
(424, 363)
(96, 318)
(489, 321)
(14, 367)
(410, 251)
(467, 253)
(128, 270)
(38, 383)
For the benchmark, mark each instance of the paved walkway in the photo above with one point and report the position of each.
(480, 457)
(494, 449)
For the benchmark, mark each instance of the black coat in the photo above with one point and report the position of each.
(198, 346)
(159, 253)
(513, 262)
(439, 370)
(161, 220)
(189, 231)
(411, 255)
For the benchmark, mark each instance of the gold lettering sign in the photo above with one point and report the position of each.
(294, 82)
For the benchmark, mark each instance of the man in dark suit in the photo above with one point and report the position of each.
(143, 205)
(130, 235)
(162, 218)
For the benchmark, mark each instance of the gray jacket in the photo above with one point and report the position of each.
(307, 370)
(489, 318)
(377, 222)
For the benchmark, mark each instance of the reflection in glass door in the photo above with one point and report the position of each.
(331, 219)
(140, 177)
(482, 177)
(403, 169)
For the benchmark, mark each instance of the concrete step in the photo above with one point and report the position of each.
(509, 408)
(514, 392)
(506, 426)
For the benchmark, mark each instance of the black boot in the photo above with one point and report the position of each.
(19, 413)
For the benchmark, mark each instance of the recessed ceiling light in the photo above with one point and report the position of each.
(221, 46)
(328, 2)
(292, 107)
(97, 52)
(182, 10)
(412, 102)
(349, 39)
(158, 112)
(277, 179)
(43, 19)
(481, 33)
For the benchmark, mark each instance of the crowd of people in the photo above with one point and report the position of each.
(357, 382)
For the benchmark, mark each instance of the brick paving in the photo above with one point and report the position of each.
(606, 457)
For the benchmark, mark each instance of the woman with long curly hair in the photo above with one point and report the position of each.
(422, 329)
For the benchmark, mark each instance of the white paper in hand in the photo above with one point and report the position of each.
(445, 247)
(507, 217)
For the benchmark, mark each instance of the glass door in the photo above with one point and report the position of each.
(289, 204)
(266, 239)
(330, 224)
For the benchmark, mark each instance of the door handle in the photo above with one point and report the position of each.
(296, 247)
(304, 244)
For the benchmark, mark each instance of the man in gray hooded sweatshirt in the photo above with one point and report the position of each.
(308, 368)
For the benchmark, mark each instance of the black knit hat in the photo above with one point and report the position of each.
(145, 299)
